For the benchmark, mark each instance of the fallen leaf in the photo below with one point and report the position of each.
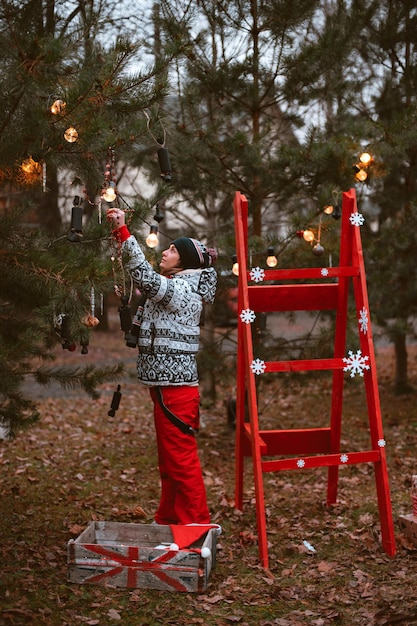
(113, 614)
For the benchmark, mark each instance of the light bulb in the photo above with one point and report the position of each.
(109, 194)
(328, 210)
(71, 135)
(30, 166)
(58, 107)
(361, 176)
(152, 238)
(235, 266)
(365, 158)
(308, 236)
(271, 259)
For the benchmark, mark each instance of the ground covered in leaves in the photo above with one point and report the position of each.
(78, 464)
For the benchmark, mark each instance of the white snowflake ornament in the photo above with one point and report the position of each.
(300, 463)
(355, 363)
(344, 458)
(257, 274)
(258, 367)
(363, 320)
(357, 219)
(324, 271)
(382, 443)
(247, 316)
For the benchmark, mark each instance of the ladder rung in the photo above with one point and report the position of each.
(307, 273)
(304, 365)
(292, 441)
(309, 297)
(302, 462)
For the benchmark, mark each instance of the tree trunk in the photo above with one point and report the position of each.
(401, 376)
(49, 213)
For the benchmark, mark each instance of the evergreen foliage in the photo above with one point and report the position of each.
(273, 99)
(40, 280)
(278, 101)
(52, 51)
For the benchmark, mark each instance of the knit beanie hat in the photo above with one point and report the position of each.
(194, 254)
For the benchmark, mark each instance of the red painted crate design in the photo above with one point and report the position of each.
(141, 556)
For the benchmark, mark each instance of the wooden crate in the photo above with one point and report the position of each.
(142, 556)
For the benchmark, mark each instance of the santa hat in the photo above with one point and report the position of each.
(189, 534)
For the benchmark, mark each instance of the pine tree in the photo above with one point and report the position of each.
(235, 122)
(51, 53)
(391, 47)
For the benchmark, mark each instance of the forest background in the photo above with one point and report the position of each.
(277, 100)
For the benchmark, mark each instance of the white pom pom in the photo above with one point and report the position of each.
(174, 546)
(205, 552)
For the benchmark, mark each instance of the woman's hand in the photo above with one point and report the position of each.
(116, 217)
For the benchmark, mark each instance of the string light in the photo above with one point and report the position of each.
(152, 239)
(30, 166)
(333, 209)
(235, 266)
(365, 158)
(308, 236)
(31, 172)
(71, 134)
(109, 194)
(361, 168)
(58, 107)
(109, 191)
(361, 175)
(271, 259)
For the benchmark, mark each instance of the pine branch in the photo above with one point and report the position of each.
(86, 377)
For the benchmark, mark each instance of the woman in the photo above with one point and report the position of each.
(168, 343)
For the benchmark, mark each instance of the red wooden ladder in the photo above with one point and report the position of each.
(311, 447)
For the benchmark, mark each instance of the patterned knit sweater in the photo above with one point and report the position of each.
(170, 329)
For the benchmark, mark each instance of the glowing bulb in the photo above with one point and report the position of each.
(71, 135)
(109, 194)
(235, 266)
(271, 259)
(308, 236)
(365, 158)
(152, 238)
(361, 176)
(30, 166)
(328, 210)
(58, 107)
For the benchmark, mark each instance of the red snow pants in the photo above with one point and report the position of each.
(183, 493)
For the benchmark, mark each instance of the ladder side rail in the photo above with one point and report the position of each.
(366, 344)
(373, 399)
(345, 260)
(240, 216)
(247, 355)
